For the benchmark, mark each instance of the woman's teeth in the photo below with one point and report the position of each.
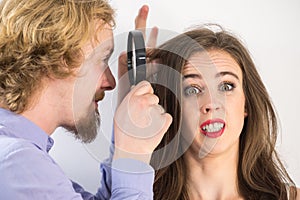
(215, 127)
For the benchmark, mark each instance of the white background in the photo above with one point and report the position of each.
(271, 31)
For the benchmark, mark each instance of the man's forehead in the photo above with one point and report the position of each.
(105, 39)
(104, 44)
(103, 32)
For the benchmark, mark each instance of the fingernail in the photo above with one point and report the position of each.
(145, 8)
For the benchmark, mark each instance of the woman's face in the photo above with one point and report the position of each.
(213, 103)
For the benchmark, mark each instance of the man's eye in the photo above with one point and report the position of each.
(226, 87)
(106, 61)
(192, 90)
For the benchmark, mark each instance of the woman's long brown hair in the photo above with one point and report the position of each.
(261, 174)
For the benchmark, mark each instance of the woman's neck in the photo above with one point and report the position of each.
(213, 177)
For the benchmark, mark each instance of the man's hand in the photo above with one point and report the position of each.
(140, 24)
(139, 124)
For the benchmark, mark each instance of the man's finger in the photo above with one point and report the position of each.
(153, 37)
(141, 19)
(151, 99)
(142, 88)
(122, 64)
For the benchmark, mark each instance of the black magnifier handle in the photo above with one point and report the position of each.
(137, 68)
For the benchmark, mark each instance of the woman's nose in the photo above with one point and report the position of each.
(209, 108)
(210, 103)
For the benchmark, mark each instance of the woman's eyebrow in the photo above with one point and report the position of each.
(198, 76)
(227, 73)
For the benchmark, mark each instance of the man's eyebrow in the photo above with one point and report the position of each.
(108, 52)
(111, 51)
(227, 73)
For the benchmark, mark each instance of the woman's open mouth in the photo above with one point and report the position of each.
(213, 128)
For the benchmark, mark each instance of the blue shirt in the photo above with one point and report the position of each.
(28, 172)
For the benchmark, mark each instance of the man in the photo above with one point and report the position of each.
(53, 71)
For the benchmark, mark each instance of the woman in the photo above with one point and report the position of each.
(225, 119)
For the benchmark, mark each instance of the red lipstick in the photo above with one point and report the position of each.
(213, 128)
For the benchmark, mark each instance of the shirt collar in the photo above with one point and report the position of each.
(15, 125)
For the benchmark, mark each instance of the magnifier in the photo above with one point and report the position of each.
(136, 59)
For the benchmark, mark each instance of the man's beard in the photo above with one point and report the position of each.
(86, 128)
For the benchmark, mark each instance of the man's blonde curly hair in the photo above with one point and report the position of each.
(43, 38)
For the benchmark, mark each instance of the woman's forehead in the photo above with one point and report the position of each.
(213, 60)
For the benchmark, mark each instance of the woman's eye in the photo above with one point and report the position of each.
(226, 87)
(192, 90)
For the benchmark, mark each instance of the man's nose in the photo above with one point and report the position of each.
(108, 80)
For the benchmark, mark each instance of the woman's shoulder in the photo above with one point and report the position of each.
(293, 192)
(298, 194)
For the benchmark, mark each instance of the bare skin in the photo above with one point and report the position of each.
(57, 98)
